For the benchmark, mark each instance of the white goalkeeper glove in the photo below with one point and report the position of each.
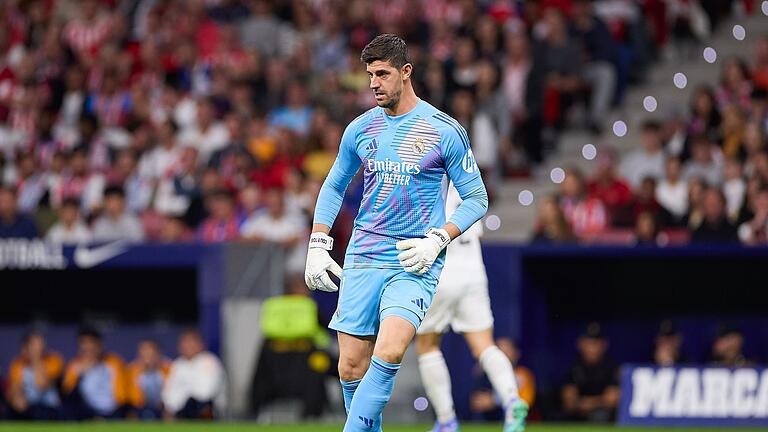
(420, 253)
(319, 263)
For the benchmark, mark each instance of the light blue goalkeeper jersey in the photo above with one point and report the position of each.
(407, 163)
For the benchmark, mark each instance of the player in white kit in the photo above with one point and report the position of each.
(462, 304)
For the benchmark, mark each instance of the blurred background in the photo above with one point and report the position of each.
(160, 161)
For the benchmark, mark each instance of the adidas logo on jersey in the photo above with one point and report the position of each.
(372, 146)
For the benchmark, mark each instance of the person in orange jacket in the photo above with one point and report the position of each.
(32, 380)
(146, 378)
(94, 383)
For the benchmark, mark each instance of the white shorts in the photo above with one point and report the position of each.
(462, 306)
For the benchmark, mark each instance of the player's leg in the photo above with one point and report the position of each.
(499, 370)
(375, 389)
(356, 320)
(404, 300)
(436, 380)
(475, 320)
(432, 367)
(354, 358)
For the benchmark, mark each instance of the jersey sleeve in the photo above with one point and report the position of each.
(344, 168)
(462, 170)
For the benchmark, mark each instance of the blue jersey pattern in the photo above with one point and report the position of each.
(407, 162)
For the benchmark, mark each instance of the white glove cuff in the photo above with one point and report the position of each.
(320, 240)
(440, 235)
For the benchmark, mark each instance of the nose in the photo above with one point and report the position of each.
(375, 84)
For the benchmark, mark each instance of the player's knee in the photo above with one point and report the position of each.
(389, 355)
(427, 343)
(479, 345)
(352, 369)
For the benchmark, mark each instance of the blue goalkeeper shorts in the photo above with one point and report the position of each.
(367, 296)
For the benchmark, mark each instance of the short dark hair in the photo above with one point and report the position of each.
(114, 190)
(89, 332)
(70, 202)
(386, 47)
(651, 125)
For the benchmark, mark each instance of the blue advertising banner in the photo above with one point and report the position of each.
(693, 396)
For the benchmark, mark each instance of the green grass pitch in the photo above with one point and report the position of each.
(246, 427)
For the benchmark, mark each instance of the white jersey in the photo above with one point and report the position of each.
(464, 257)
(461, 301)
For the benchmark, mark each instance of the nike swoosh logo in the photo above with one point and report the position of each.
(86, 257)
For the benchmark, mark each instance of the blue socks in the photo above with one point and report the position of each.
(364, 411)
(348, 388)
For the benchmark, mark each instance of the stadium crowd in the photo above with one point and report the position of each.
(701, 174)
(170, 120)
(98, 384)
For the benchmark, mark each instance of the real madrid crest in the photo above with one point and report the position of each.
(419, 146)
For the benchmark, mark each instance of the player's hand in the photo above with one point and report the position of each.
(319, 263)
(419, 254)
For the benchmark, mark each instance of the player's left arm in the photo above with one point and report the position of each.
(419, 254)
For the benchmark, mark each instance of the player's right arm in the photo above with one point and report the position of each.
(329, 201)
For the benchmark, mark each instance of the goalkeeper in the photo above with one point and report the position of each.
(408, 151)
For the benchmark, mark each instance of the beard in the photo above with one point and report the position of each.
(391, 101)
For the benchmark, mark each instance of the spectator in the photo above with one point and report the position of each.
(276, 225)
(695, 215)
(249, 200)
(482, 401)
(12, 223)
(223, 224)
(79, 182)
(515, 77)
(599, 70)
(586, 215)
(293, 363)
(760, 64)
(646, 229)
(735, 86)
(30, 184)
(94, 381)
(733, 131)
(727, 348)
(705, 162)
(755, 231)
(645, 200)
(146, 377)
(555, 78)
(139, 189)
(734, 188)
(754, 144)
(33, 377)
(667, 353)
(70, 228)
(318, 162)
(609, 188)
(207, 134)
(491, 126)
(195, 387)
(715, 227)
(648, 161)
(296, 114)
(116, 223)
(552, 226)
(672, 191)
(175, 230)
(592, 391)
(705, 120)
